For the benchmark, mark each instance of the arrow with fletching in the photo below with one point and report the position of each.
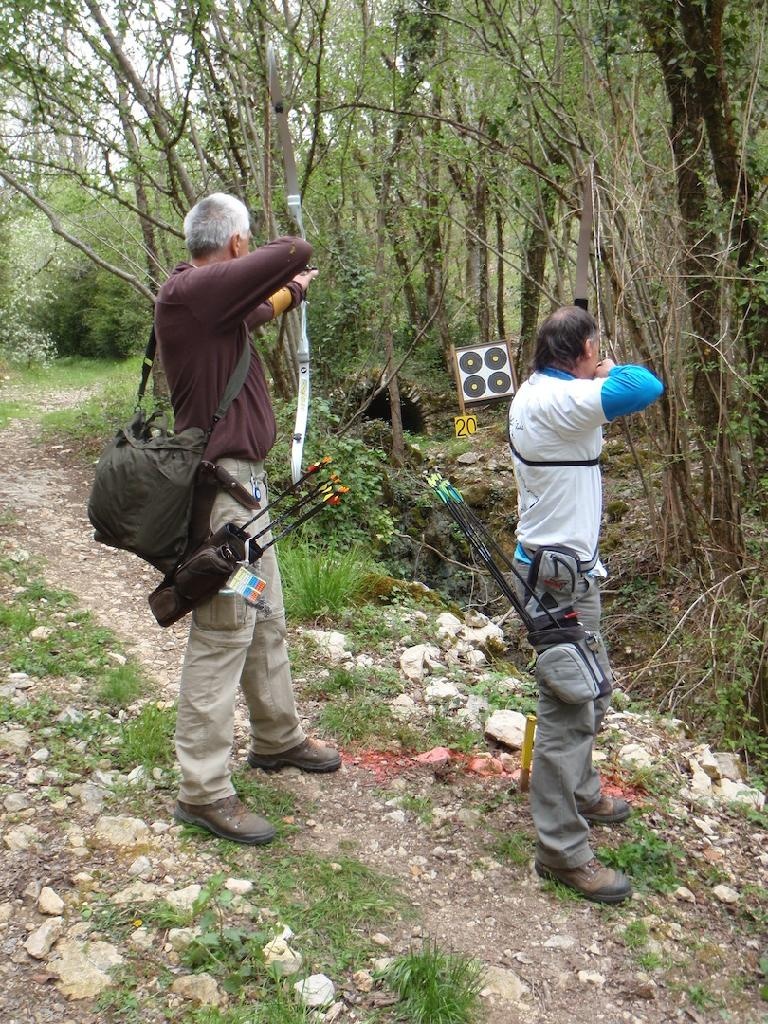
(490, 554)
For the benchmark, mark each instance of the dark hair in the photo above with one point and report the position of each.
(560, 341)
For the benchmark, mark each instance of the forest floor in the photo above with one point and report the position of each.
(453, 848)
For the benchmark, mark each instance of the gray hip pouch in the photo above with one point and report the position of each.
(571, 672)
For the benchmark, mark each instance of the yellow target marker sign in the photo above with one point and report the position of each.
(465, 425)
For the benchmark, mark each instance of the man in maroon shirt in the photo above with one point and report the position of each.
(203, 317)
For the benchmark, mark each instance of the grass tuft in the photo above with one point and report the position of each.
(320, 583)
(436, 987)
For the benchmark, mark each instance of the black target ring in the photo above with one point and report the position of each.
(495, 358)
(474, 386)
(470, 362)
(499, 383)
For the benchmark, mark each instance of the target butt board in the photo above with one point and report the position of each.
(484, 373)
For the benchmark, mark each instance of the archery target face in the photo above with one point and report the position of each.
(484, 372)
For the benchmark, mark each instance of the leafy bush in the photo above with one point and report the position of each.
(21, 343)
(90, 312)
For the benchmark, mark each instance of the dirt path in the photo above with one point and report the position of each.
(564, 961)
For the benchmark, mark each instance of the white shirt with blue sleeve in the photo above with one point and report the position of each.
(557, 418)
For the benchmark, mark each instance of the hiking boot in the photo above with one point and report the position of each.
(309, 756)
(593, 880)
(228, 818)
(609, 810)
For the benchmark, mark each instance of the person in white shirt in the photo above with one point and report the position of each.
(555, 433)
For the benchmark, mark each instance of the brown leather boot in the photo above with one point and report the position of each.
(309, 756)
(593, 880)
(609, 810)
(228, 818)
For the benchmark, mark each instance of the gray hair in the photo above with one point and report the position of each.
(210, 224)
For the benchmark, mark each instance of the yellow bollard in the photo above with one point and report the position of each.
(527, 753)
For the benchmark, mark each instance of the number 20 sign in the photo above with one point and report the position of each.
(465, 425)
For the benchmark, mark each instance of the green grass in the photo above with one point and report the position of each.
(650, 862)
(14, 410)
(342, 682)
(436, 987)
(147, 740)
(319, 583)
(120, 686)
(513, 848)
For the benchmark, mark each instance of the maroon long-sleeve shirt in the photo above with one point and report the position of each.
(203, 318)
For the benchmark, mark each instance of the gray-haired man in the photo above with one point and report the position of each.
(203, 317)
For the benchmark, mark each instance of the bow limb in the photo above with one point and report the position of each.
(293, 201)
(585, 237)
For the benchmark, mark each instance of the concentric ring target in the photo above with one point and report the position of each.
(499, 383)
(470, 362)
(474, 386)
(495, 358)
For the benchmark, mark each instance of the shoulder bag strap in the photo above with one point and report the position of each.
(234, 384)
(146, 367)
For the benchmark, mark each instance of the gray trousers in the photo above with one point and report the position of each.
(563, 778)
(234, 645)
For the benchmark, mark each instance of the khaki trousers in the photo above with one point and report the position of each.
(563, 777)
(234, 645)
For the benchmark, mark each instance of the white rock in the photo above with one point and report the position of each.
(475, 659)
(82, 968)
(90, 796)
(380, 939)
(404, 707)
(20, 838)
(701, 783)
(684, 894)
(414, 661)
(41, 633)
(40, 941)
(363, 981)
(504, 984)
(316, 990)
(35, 776)
(635, 755)
(726, 894)
(141, 866)
(120, 832)
(184, 899)
(559, 942)
(706, 761)
(507, 727)
(49, 902)
(491, 636)
(142, 938)
(138, 892)
(737, 792)
(441, 689)
(180, 938)
(448, 624)
(284, 960)
(730, 765)
(591, 978)
(20, 680)
(15, 741)
(199, 988)
(238, 886)
(332, 644)
(40, 756)
(16, 802)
